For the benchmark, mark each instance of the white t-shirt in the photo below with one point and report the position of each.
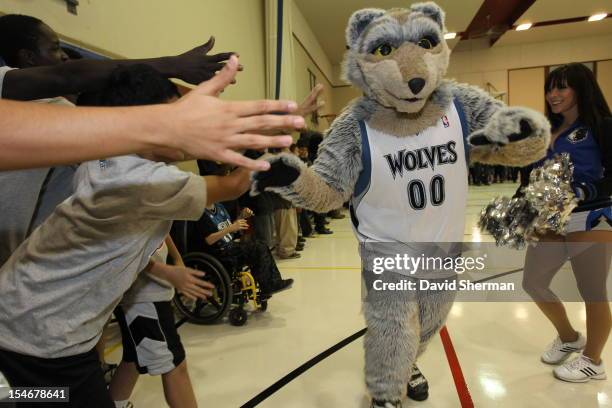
(148, 288)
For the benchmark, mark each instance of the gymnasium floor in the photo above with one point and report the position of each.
(497, 344)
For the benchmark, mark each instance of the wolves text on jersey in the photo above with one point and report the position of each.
(422, 158)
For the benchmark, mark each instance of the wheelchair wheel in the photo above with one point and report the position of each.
(238, 317)
(207, 311)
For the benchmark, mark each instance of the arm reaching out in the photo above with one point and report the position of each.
(77, 76)
(226, 188)
(187, 281)
(199, 124)
(499, 134)
(173, 251)
(330, 181)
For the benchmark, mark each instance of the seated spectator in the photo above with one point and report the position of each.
(216, 227)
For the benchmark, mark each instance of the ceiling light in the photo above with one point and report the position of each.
(598, 16)
(449, 36)
(523, 27)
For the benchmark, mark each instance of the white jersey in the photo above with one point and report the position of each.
(413, 189)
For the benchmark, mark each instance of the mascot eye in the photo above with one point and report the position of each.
(426, 43)
(383, 50)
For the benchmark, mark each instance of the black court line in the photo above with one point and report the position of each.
(301, 370)
(259, 398)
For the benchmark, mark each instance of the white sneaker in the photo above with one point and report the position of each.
(580, 369)
(558, 351)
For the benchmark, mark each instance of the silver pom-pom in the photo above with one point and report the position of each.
(546, 206)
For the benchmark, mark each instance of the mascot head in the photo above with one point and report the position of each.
(397, 57)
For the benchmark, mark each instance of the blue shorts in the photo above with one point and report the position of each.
(599, 219)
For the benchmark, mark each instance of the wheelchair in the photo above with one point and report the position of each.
(235, 287)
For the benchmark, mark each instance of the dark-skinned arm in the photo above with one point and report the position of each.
(74, 77)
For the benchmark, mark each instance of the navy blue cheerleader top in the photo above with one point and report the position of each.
(592, 163)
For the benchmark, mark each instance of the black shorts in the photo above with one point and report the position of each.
(82, 374)
(149, 337)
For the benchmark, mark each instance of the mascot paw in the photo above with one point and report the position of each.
(284, 170)
(513, 137)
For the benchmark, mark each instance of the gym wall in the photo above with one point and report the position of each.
(492, 65)
(310, 59)
(604, 78)
(150, 28)
(527, 88)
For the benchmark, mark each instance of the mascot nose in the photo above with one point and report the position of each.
(416, 84)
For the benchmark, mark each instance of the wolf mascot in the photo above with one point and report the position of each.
(399, 154)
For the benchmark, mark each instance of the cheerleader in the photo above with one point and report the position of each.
(581, 126)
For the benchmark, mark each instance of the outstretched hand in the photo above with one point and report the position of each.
(312, 102)
(206, 127)
(196, 66)
(189, 282)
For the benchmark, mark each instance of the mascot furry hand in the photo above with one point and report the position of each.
(400, 155)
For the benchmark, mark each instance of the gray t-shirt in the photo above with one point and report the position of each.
(61, 285)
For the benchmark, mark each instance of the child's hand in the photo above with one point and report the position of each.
(240, 225)
(189, 282)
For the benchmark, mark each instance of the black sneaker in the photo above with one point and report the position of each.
(301, 239)
(324, 231)
(418, 387)
(281, 285)
(386, 404)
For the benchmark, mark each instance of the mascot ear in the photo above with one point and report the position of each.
(358, 23)
(431, 10)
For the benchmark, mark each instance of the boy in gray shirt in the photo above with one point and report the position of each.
(60, 286)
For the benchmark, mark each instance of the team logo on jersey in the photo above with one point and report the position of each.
(578, 135)
(445, 121)
(425, 157)
(103, 164)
